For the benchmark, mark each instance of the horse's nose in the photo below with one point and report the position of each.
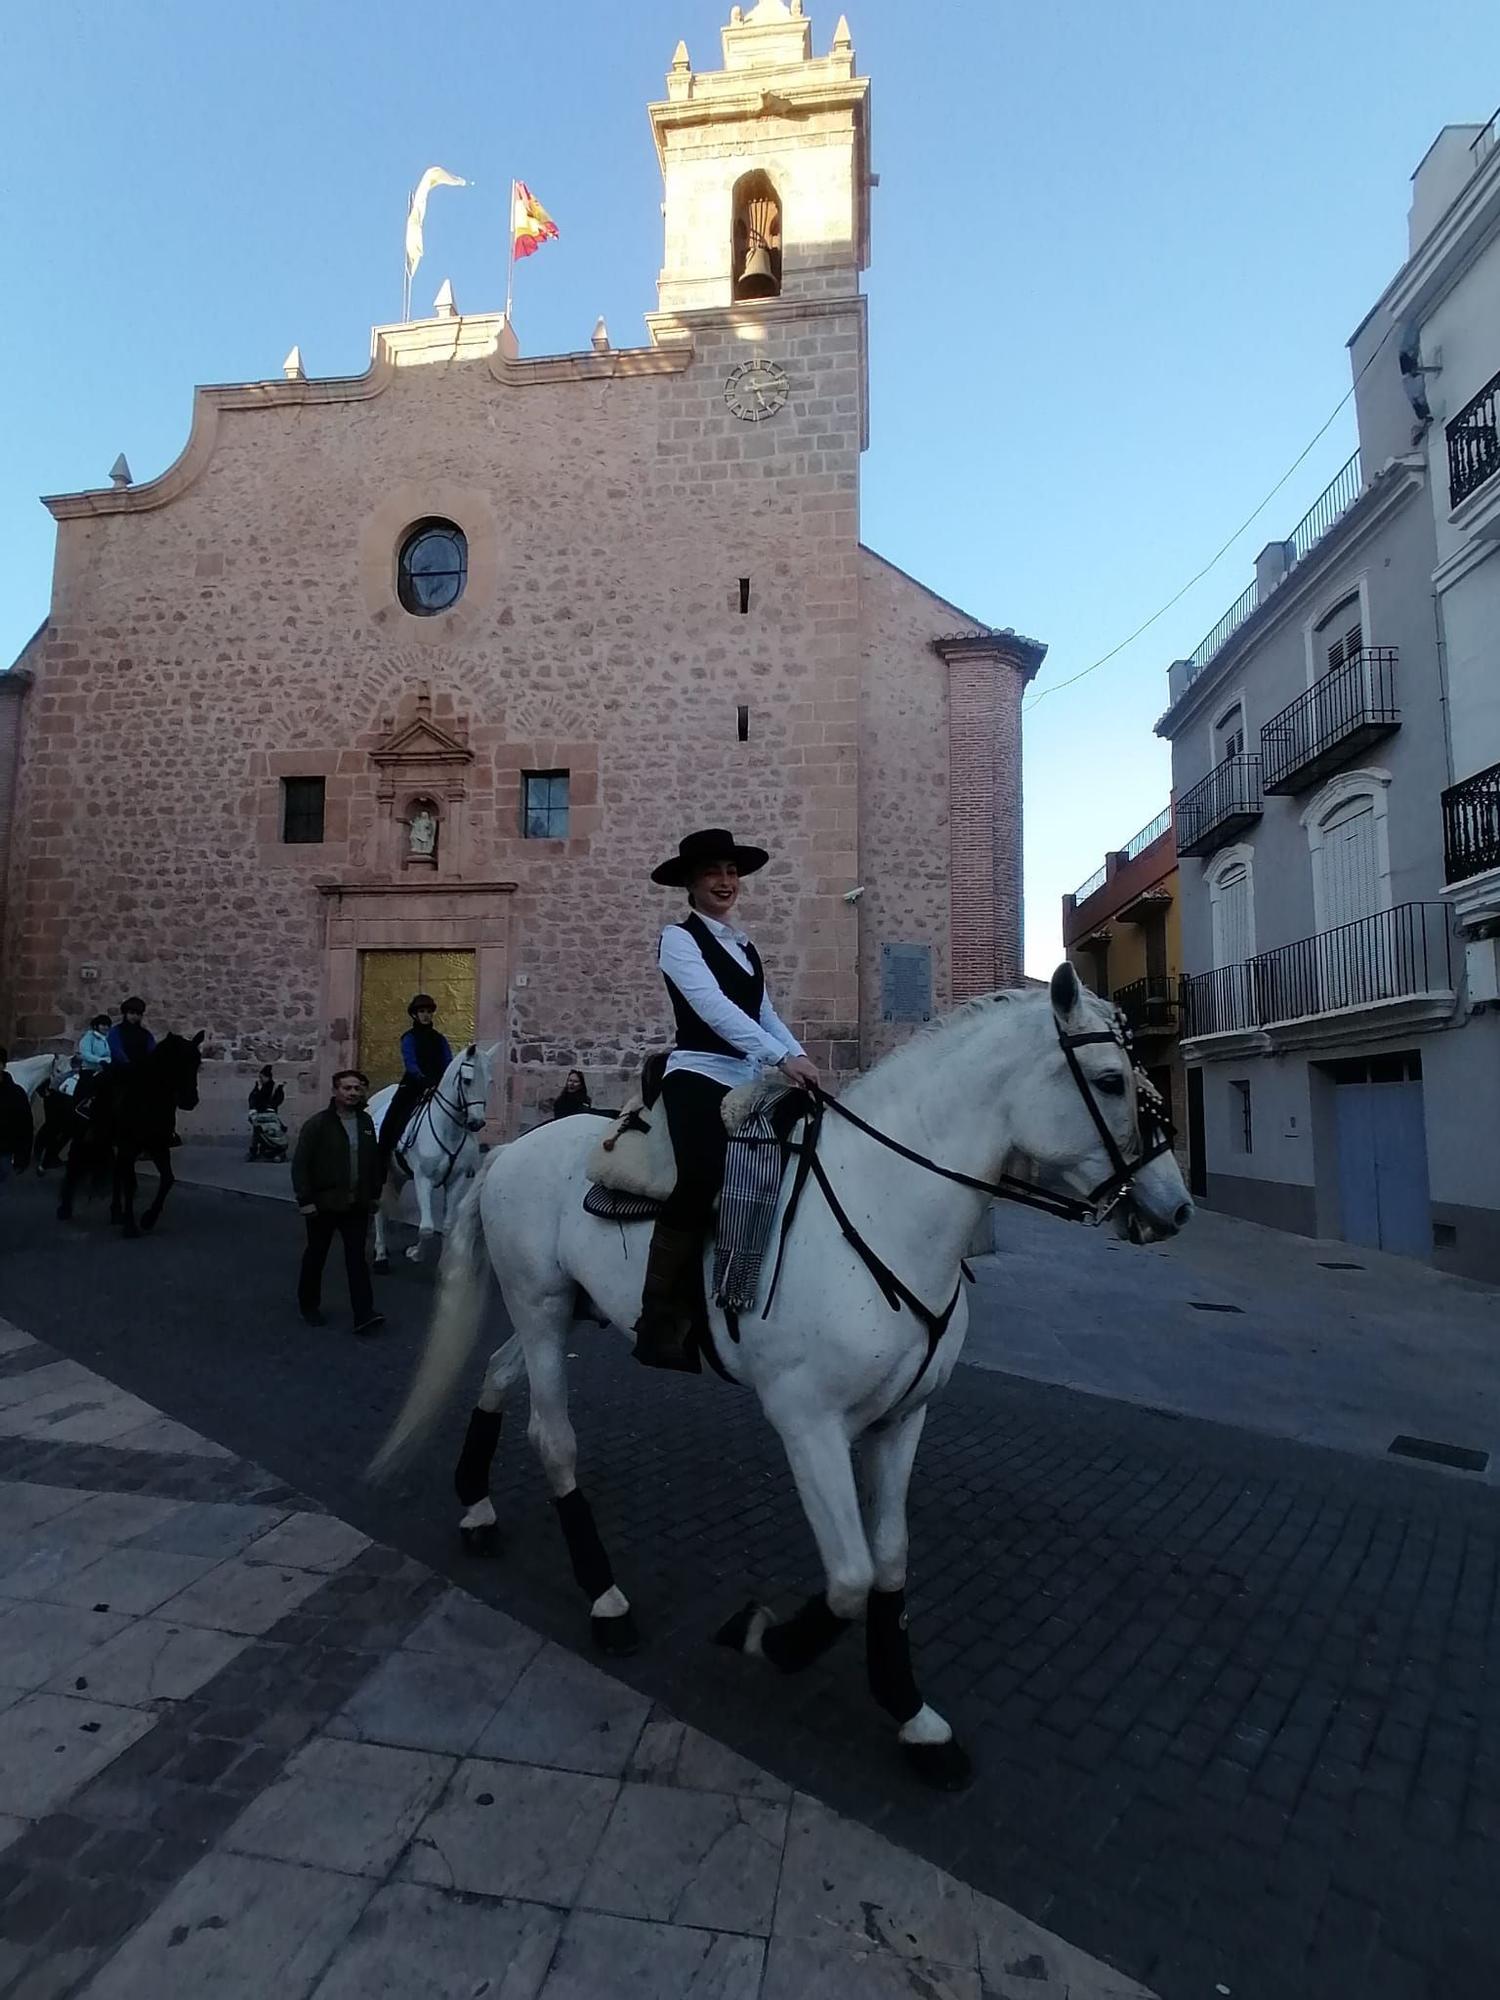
(1182, 1215)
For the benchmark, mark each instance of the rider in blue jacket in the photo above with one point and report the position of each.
(425, 1055)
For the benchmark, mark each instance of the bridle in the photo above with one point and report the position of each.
(458, 1108)
(1153, 1130)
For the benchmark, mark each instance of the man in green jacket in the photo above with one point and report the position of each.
(336, 1178)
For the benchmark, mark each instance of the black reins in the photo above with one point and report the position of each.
(1156, 1136)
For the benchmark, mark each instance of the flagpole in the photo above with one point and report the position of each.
(510, 272)
(406, 272)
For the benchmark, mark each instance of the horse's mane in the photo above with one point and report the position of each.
(958, 1025)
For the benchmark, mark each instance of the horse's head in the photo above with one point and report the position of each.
(472, 1084)
(179, 1060)
(1086, 1116)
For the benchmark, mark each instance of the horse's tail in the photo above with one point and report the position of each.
(463, 1280)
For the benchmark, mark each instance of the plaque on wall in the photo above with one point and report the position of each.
(906, 982)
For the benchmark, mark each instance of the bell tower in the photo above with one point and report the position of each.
(765, 165)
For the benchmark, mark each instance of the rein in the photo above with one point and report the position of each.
(1156, 1139)
(458, 1110)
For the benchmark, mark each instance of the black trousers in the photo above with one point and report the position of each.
(409, 1095)
(352, 1227)
(700, 1142)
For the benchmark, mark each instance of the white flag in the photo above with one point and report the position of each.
(416, 215)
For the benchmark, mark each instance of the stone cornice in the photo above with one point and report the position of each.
(615, 364)
(672, 327)
(408, 888)
(1449, 247)
(208, 402)
(1006, 648)
(757, 94)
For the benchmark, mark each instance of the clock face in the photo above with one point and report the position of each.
(755, 390)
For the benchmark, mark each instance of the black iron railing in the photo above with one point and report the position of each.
(1218, 1002)
(1222, 803)
(1471, 825)
(1391, 955)
(1350, 706)
(1153, 1005)
(1474, 444)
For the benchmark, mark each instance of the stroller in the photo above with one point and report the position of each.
(268, 1136)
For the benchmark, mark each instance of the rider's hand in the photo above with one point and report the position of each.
(307, 1208)
(797, 1069)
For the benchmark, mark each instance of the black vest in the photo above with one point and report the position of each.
(745, 989)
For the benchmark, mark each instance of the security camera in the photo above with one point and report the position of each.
(853, 895)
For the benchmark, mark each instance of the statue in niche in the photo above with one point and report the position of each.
(422, 833)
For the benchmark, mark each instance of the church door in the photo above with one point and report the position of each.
(387, 981)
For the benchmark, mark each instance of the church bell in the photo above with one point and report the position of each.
(758, 279)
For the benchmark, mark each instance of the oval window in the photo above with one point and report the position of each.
(432, 568)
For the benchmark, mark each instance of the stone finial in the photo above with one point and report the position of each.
(599, 339)
(680, 62)
(292, 367)
(119, 472)
(842, 39)
(443, 306)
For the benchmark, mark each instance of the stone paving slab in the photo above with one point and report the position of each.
(205, 1797)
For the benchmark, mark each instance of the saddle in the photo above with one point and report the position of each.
(635, 1160)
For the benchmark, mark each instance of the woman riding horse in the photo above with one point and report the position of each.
(727, 1034)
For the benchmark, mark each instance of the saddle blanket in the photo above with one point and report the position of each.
(634, 1189)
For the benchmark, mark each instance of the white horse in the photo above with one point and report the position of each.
(440, 1146)
(31, 1072)
(835, 1360)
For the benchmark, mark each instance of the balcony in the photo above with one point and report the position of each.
(1225, 803)
(1152, 1006)
(1474, 444)
(1471, 826)
(1351, 707)
(1392, 968)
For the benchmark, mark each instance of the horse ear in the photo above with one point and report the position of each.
(198, 1038)
(469, 1053)
(1067, 994)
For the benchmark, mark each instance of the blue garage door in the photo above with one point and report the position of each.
(1383, 1189)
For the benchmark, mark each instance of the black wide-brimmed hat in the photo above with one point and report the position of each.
(421, 1000)
(701, 850)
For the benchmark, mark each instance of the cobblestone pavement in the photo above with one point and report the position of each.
(1233, 1698)
(245, 1750)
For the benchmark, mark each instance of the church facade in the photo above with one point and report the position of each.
(408, 679)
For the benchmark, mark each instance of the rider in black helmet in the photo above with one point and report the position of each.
(425, 1054)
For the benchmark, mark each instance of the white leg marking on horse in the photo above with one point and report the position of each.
(756, 1631)
(613, 1604)
(551, 1434)
(480, 1515)
(926, 1726)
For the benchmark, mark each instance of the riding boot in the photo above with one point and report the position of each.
(671, 1301)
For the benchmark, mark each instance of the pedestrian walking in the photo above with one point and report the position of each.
(336, 1177)
(268, 1133)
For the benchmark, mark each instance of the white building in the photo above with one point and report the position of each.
(1336, 770)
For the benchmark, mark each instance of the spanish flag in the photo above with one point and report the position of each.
(530, 224)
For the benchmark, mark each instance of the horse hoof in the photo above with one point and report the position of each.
(617, 1638)
(149, 1222)
(382, 1267)
(483, 1541)
(414, 1255)
(946, 1767)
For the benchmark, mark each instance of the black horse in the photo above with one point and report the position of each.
(130, 1115)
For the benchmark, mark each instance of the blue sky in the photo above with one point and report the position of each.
(1117, 251)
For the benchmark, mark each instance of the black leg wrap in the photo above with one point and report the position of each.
(804, 1637)
(888, 1655)
(471, 1475)
(591, 1570)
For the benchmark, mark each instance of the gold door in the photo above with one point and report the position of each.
(387, 981)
